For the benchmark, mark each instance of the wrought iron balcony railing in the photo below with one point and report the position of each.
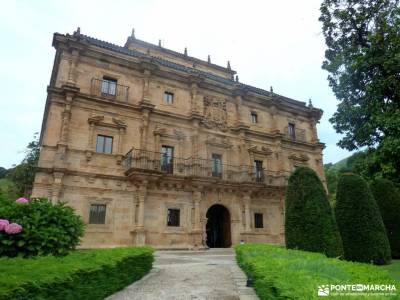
(109, 89)
(297, 135)
(156, 162)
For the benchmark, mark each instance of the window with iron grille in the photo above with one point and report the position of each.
(173, 217)
(216, 165)
(109, 86)
(292, 131)
(259, 170)
(97, 214)
(168, 98)
(254, 118)
(104, 144)
(167, 156)
(258, 220)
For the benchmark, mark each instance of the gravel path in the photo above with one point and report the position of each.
(211, 274)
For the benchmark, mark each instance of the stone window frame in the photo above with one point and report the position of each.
(257, 117)
(170, 90)
(183, 224)
(115, 129)
(263, 211)
(105, 131)
(109, 219)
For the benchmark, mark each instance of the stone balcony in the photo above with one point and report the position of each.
(109, 89)
(141, 162)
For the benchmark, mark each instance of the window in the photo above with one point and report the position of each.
(292, 131)
(217, 165)
(254, 118)
(258, 170)
(97, 214)
(168, 98)
(167, 156)
(258, 220)
(173, 217)
(108, 87)
(104, 144)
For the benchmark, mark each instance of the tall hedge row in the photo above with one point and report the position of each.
(87, 274)
(388, 199)
(309, 221)
(360, 223)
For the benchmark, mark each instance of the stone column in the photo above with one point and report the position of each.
(140, 230)
(238, 103)
(313, 128)
(144, 129)
(196, 204)
(72, 73)
(274, 126)
(56, 187)
(247, 201)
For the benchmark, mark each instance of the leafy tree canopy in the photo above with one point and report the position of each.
(363, 61)
(23, 174)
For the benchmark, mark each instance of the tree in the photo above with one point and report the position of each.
(23, 174)
(363, 40)
(360, 222)
(3, 172)
(388, 199)
(309, 221)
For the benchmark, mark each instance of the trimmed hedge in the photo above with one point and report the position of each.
(309, 221)
(360, 222)
(85, 274)
(279, 273)
(388, 199)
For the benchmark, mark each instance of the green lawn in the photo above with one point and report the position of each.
(278, 273)
(86, 274)
(394, 269)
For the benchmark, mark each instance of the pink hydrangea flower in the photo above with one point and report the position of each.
(13, 228)
(3, 224)
(22, 200)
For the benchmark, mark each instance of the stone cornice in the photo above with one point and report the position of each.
(211, 79)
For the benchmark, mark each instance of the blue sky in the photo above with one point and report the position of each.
(269, 43)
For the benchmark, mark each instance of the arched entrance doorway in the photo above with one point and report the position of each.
(218, 227)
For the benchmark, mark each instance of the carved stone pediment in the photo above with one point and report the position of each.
(299, 157)
(120, 123)
(176, 134)
(260, 150)
(100, 120)
(221, 142)
(96, 119)
(215, 115)
(179, 134)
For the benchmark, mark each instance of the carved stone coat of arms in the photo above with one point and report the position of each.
(215, 113)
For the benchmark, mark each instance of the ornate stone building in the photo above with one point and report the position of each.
(156, 147)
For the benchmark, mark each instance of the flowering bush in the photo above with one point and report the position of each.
(3, 224)
(38, 227)
(22, 200)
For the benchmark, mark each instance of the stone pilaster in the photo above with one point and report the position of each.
(140, 229)
(56, 186)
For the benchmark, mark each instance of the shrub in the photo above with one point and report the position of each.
(388, 199)
(46, 228)
(360, 223)
(279, 273)
(86, 274)
(309, 221)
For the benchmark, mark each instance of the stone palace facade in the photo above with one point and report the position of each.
(156, 147)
